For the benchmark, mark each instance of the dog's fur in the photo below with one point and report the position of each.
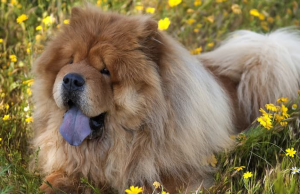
(167, 111)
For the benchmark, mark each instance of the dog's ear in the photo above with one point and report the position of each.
(149, 38)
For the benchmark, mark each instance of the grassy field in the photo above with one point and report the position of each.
(262, 154)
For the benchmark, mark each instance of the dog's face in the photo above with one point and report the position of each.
(99, 66)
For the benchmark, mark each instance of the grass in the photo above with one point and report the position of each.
(200, 27)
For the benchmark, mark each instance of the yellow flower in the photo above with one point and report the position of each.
(163, 24)
(38, 28)
(271, 107)
(236, 9)
(6, 117)
(28, 91)
(99, 2)
(1, 40)
(254, 12)
(196, 30)
(0, 139)
(14, 2)
(174, 3)
(28, 50)
(28, 82)
(134, 190)
(196, 51)
(13, 58)
(278, 118)
(22, 18)
(265, 121)
(283, 124)
(220, 1)
(239, 168)
(190, 21)
(247, 175)
(197, 2)
(38, 37)
(48, 20)
(212, 160)
(165, 192)
(139, 7)
(211, 18)
(261, 16)
(29, 119)
(264, 113)
(281, 100)
(150, 10)
(211, 44)
(290, 152)
(294, 106)
(284, 110)
(156, 184)
(66, 21)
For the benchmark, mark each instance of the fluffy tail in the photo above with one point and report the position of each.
(266, 67)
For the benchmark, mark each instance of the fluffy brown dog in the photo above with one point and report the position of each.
(121, 103)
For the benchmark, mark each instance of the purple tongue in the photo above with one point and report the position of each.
(75, 126)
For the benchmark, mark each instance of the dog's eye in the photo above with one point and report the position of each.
(104, 71)
(71, 61)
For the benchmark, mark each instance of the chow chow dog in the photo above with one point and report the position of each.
(121, 103)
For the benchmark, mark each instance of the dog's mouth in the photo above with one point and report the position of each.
(76, 126)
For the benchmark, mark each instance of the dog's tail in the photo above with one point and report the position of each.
(265, 67)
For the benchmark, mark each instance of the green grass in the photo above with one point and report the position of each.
(262, 152)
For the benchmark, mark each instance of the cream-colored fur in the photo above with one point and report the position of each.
(267, 67)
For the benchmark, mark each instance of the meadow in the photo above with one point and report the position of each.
(266, 156)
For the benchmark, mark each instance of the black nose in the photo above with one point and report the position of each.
(73, 81)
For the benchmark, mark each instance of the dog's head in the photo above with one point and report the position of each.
(102, 65)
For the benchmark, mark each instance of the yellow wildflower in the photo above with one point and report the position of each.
(190, 21)
(14, 2)
(254, 12)
(290, 152)
(284, 110)
(28, 91)
(0, 139)
(22, 18)
(196, 30)
(247, 175)
(28, 82)
(6, 117)
(220, 1)
(294, 106)
(265, 121)
(38, 28)
(66, 21)
(134, 190)
(1, 40)
(29, 119)
(239, 168)
(278, 118)
(28, 50)
(99, 2)
(283, 124)
(48, 20)
(197, 2)
(264, 113)
(139, 7)
(163, 24)
(261, 16)
(13, 58)
(156, 184)
(211, 44)
(174, 3)
(38, 37)
(236, 9)
(271, 107)
(150, 10)
(165, 192)
(211, 18)
(196, 51)
(190, 10)
(212, 160)
(281, 100)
